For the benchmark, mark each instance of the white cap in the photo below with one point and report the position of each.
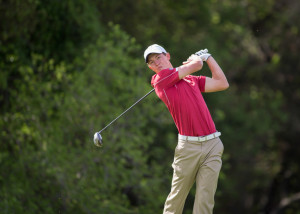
(153, 49)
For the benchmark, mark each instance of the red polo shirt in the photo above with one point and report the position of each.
(185, 102)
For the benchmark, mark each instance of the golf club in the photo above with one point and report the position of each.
(98, 140)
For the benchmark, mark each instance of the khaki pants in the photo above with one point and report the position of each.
(200, 162)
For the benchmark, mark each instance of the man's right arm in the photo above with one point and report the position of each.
(193, 64)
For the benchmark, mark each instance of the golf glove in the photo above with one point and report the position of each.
(204, 55)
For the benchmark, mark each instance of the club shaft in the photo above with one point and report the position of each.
(127, 110)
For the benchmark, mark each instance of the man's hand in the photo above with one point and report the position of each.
(193, 57)
(194, 63)
(203, 54)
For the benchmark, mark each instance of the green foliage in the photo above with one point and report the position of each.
(59, 106)
(67, 68)
(117, 177)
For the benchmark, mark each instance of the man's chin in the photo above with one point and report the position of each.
(161, 68)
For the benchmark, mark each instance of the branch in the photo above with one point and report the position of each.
(286, 201)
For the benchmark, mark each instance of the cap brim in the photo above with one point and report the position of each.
(157, 52)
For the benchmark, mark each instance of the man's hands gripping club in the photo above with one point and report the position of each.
(193, 63)
(203, 54)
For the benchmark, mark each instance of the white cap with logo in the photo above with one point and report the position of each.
(153, 49)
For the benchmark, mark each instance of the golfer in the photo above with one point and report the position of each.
(199, 150)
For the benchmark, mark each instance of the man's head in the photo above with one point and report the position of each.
(157, 58)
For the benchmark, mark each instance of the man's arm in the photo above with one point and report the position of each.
(193, 64)
(218, 81)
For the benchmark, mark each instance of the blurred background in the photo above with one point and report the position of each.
(68, 68)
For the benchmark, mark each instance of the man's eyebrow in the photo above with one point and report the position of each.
(155, 56)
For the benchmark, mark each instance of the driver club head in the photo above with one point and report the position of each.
(98, 139)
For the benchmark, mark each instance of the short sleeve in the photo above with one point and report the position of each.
(165, 78)
(201, 82)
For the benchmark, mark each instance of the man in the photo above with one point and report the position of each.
(198, 154)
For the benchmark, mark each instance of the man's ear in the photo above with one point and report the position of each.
(149, 66)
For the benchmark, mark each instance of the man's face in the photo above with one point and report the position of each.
(158, 62)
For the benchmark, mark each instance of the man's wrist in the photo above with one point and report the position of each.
(205, 57)
(209, 57)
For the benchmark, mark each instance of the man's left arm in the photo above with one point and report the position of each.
(218, 81)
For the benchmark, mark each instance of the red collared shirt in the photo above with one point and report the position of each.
(185, 102)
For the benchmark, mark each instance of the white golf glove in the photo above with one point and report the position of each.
(204, 55)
